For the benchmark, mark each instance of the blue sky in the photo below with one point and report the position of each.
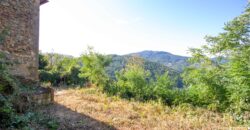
(125, 26)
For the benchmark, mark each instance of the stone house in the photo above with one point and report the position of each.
(20, 19)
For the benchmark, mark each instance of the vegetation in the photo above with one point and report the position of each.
(175, 62)
(7, 87)
(134, 82)
(10, 88)
(217, 78)
(155, 69)
(93, 68)
(217, 84)
(59, 69)
(89, 108)
(6, 110)
(138, 79)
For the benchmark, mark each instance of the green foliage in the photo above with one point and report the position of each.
(94, 68)
(6, 112)
(60, 70)
(119, 62)
(43, 62)
(8, 90)
(175, 62)
(205, 81)
(220, 85)
(163, 88)
(134, 82)
(7, 83)
(53, 125)
(218, 77)
(47, 121)
(8, 116)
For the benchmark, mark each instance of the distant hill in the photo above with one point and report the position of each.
(119, 62)
(170, 60)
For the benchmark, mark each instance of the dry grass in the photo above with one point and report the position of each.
(131, 115)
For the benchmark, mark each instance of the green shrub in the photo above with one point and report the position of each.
(6, 112)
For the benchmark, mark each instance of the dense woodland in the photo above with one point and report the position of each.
(216, 77)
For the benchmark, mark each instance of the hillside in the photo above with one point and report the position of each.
(68, 67)
(119, 62)
(170, 60)
(86, 108)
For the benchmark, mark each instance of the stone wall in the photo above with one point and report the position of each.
(43, 96)
(20, 19)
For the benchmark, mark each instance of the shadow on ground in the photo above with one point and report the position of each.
(71, 120)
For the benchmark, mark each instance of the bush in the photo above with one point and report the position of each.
(6, 112)
(134, 82)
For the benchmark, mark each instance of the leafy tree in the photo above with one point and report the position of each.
(133, 81)
(223, 81)
(43, 62)
(60, 69)
(94, 67)
(205, 81)
(163, 88)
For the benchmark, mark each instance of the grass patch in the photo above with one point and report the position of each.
(124, 114)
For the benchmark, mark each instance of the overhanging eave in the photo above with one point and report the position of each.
(43, 1)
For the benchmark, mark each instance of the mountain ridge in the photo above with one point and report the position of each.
(168, 59)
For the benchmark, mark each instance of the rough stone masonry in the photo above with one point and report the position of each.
(20, 20)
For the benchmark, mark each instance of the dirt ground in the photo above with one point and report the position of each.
(88, 109)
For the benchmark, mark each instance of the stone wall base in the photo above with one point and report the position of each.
(41, 96)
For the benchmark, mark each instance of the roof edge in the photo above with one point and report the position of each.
(43, 2)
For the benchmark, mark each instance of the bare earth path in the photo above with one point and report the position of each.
(80, 109)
